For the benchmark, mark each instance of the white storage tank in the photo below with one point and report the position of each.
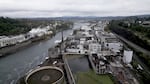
(45, 75)
(127, 56)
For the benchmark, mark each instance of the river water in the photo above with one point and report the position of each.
(13, 66)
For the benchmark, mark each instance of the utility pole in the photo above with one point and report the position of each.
(61, 44)
(62, 39)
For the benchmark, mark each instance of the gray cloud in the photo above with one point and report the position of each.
(57, 8)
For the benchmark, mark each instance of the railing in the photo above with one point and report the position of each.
(68, 71)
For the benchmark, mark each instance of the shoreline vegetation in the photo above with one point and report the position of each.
(134, 31)
(129, 34)
(91, 78)
(10, 27)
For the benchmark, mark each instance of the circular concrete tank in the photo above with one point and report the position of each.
(45, 75)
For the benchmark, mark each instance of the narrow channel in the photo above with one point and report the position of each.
(79, 64)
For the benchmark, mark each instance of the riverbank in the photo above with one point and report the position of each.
(19, 46)
(26, 59)
(12, 49)
(53, 60)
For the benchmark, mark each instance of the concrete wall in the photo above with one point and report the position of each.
(14, 48)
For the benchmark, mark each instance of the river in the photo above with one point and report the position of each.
(13, 66)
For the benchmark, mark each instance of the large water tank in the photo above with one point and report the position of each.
(45, 75)
(127, 56)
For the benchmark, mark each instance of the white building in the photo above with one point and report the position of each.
(115, 47)
(79, 49)
(113, 44)
(39, 32)
(127, 56)
(86, 28)
(36, 32)
(94, 48)
(82, 40)
(49, 32)
(11, 40)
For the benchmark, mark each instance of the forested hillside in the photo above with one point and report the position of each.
(135, 33)
(10, 26)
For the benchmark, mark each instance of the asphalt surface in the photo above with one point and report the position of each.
(137, 48)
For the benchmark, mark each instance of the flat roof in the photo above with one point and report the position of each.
(46, 75)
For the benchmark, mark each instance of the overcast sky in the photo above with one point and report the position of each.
(58, 8)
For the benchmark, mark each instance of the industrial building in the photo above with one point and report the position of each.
(10, 40)
(39, 32)
(127, 56)
(6, 41)
(45, 75)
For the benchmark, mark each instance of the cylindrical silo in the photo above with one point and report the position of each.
(127, 56)
(45, 75)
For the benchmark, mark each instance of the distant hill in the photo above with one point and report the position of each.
(10, 26)
(89, 17)
(77, 18)
(143, 16)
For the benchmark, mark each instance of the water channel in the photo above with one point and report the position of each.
(13, 66)
(79, 64)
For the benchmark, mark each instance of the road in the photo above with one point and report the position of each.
(15, 65)
(137, 48)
